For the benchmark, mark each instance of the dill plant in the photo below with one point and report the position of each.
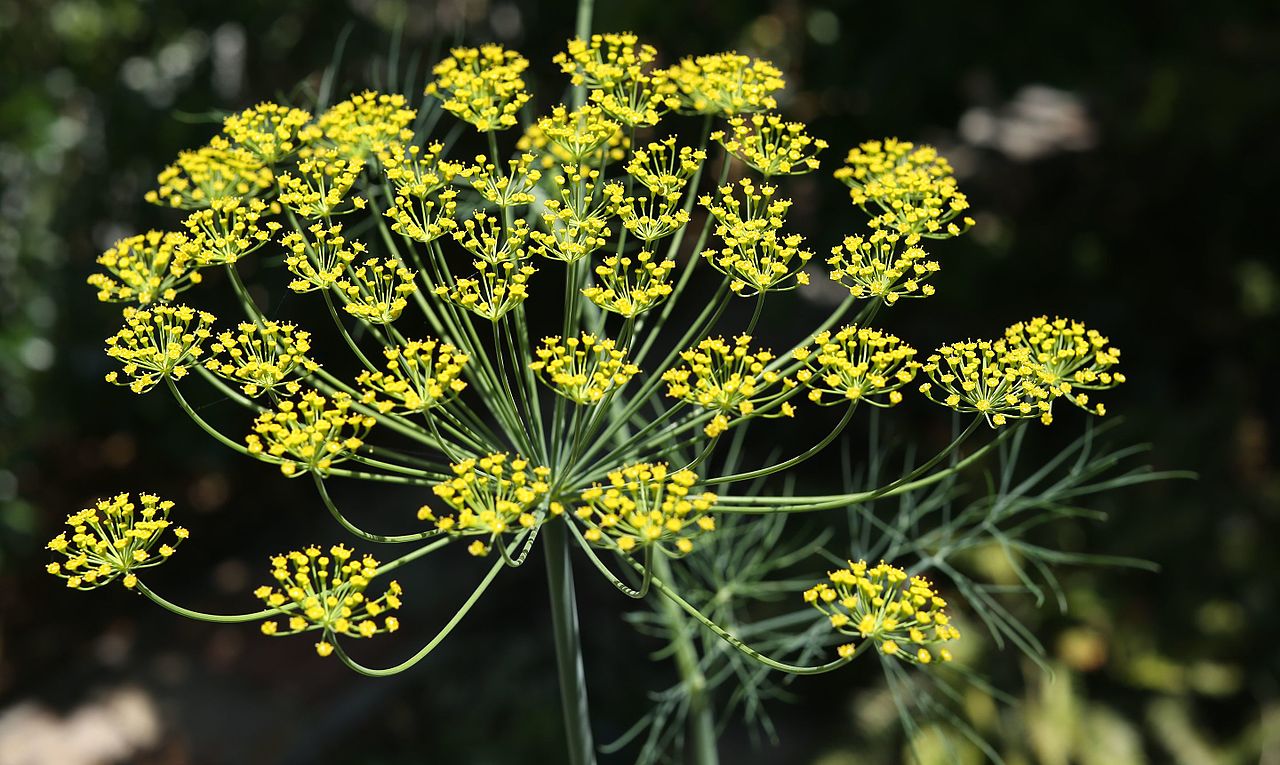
(620, 437)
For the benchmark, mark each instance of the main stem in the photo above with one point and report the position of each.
(564, 621)
(702, 725)
(564, 601)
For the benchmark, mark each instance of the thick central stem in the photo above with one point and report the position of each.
(564, 600)
(564, 620)
(702, 727)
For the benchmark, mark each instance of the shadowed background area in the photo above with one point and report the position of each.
(1118, 162)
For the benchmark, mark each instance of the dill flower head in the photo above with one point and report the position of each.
(882, 266)
(726, 84)
(514, 187)
(771, 146)
(268, 131)
(424, 203)
(583, 369)
(606, 60)
(327, 591)
(730, 379)
(857, 364)
(218, 170)
(320, 260)
(630, 285)
(618, 72)
(227, 230)
(156, 343)
(913, 185)
(987, 377)
(646, 217)
(144, 268)
(365, 124)
(321, 187)
(419, 172)
(664, 169)
(489, 240)
(579, 134)
(421, 374)
(569, 238)
(576, 224)
(376, 290)
(549, 154)
(115, 538)
(309, 435)
(494, 291)
(481, 86)
(646, 505)
(1068, 357)
(756, 256)
(263, 358)
(489, 496)
(902, 615)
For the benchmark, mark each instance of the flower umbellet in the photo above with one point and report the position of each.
(114, 539)
(144, 268)
(647, 504)
(901, 614)
(328, 589)
(511, 305)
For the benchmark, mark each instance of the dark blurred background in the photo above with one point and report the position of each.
(1120, 158)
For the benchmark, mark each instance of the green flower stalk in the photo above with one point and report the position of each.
(598, 422)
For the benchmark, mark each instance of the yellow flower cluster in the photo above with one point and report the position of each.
(488, 497)
(549, 154)
(515, 187)
(227, 230)
(321, 188)
(913, 185)
(263, 358)
(268, 131)
(726, 84)
(321, 261)
(482, 86)
(771, 146)
(857, 364)
(483, 236)
(882, 266)
(366, 124)
(376, 291)
(730, 379)
(159, 342)
(648, 217)
(219, 170)
(424, 204)
(144, 268)
(663, 168)
(578, 134)
(421, 374)
(583, 369)
(327, 592)
(987, 377)
(631, 285)
(645, 505)
(494, 291)
(112, 539)
(903, 616)
(756, 256)
(310, 435)
(606, 60)
(618, 71)
(1069, 357)
(576, 224)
